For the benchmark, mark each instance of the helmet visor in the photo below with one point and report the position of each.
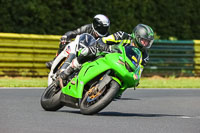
(146, 43)
(102, 30)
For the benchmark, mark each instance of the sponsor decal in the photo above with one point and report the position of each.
(135, 76)
(68, 50)
(133, 57)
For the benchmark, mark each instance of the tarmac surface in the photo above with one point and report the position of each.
(139, 111)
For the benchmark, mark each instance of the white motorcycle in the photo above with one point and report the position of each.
(67, 55)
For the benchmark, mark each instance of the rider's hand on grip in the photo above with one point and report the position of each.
(114, 49)
(63, 39)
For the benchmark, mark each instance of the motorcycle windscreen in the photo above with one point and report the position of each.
(85, 40)
(133, 54)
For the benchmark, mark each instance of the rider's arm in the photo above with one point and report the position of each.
(116, 38)
(100, 46)
(145, 57)
(72, 34)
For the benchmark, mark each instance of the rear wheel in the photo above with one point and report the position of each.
(95, 100)
(50, 100)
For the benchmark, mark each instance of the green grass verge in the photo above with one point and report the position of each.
(23, 82)
(171, 82)
(153, 82)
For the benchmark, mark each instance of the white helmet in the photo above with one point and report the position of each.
(101, 25)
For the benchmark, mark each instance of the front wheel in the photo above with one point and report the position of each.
(50, 99)
(94, 102)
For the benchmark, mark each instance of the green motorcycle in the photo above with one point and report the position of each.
(98, 82)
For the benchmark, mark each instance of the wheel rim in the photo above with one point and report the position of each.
(93, 96)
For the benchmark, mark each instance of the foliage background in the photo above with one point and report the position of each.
(169, 18)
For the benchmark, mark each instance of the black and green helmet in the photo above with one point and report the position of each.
(143, 36)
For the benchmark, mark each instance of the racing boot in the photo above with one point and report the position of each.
(66, 73)
(64, 76)
(70, 69)
(49, 64)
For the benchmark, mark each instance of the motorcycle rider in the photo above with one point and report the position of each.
(99, 28)
(142, 37)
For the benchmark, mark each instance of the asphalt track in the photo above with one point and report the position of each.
(140, 111)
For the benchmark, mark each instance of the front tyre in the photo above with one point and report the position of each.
(92, 104)
(50, 99)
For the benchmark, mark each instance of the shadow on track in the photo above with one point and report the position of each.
(121, 114)
(126, 99)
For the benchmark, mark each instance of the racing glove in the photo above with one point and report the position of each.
(63, 40)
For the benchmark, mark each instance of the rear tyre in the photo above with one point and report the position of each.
(50, 99)
(89, 106)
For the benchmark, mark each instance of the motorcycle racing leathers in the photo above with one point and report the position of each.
(70, 35)
(127, 40)
(104, 44)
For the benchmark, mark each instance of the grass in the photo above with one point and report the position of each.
(170, 82)
(23, 82)
(152, 82)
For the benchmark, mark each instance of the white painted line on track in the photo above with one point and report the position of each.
(185, 117)
(189, 117)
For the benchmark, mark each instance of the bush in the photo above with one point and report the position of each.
(179, 19)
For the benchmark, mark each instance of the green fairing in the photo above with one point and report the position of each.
(110, 61)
